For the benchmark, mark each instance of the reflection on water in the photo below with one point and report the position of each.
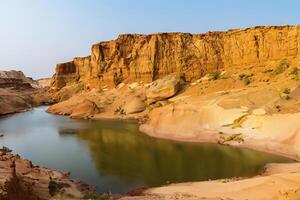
(116, 157)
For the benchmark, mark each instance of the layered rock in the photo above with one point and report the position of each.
(19, 93)
(136, 57)
(16, 80)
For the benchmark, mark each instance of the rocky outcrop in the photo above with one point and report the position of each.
(19, 93)
(136, 57)
(85, 109)
(16, 80)
(134, 105)
(20, 179)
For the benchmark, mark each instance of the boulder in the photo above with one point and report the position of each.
(135, 105)
(162, 89)
(85, 109)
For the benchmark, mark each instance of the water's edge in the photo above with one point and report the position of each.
(115, 156)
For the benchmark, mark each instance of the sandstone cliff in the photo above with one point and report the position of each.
(135, 57)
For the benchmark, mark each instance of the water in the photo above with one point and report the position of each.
(114, 156)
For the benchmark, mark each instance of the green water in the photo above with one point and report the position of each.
(114, 156)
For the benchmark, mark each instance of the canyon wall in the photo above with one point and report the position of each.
(136, 57)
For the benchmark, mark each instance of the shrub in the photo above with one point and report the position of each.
(215, 75)
(120, 110)
(245, 78)
(100, 90)
(54, 187)
(294, 71)
(278, 108)
(234, 137)
(281, 67)
(285, 93)
(92, 195)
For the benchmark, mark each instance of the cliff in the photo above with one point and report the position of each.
(135, 57)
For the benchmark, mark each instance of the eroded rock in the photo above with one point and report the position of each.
(135, 105)
(20, 179)
(162, 89)
(85, 109)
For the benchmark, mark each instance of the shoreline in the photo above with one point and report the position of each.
(211, 137)
(214, 140)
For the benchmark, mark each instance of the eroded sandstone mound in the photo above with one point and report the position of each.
(135, 57)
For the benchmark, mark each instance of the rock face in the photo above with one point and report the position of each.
(135, 57)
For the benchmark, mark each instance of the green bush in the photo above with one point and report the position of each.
(245, 78)
(100, 90)
(285, 93)
(294, 71)
(120, 110)
(54, 187)
(278, 108)
(281, 67)
(92, 195)
(215, 75)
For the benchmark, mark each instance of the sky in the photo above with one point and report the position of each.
(35, 35)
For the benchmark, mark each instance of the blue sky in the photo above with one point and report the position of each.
(37, 34)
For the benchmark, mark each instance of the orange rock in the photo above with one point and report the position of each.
(85, 109)
(136, 57)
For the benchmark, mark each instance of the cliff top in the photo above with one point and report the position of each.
(208, 33)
